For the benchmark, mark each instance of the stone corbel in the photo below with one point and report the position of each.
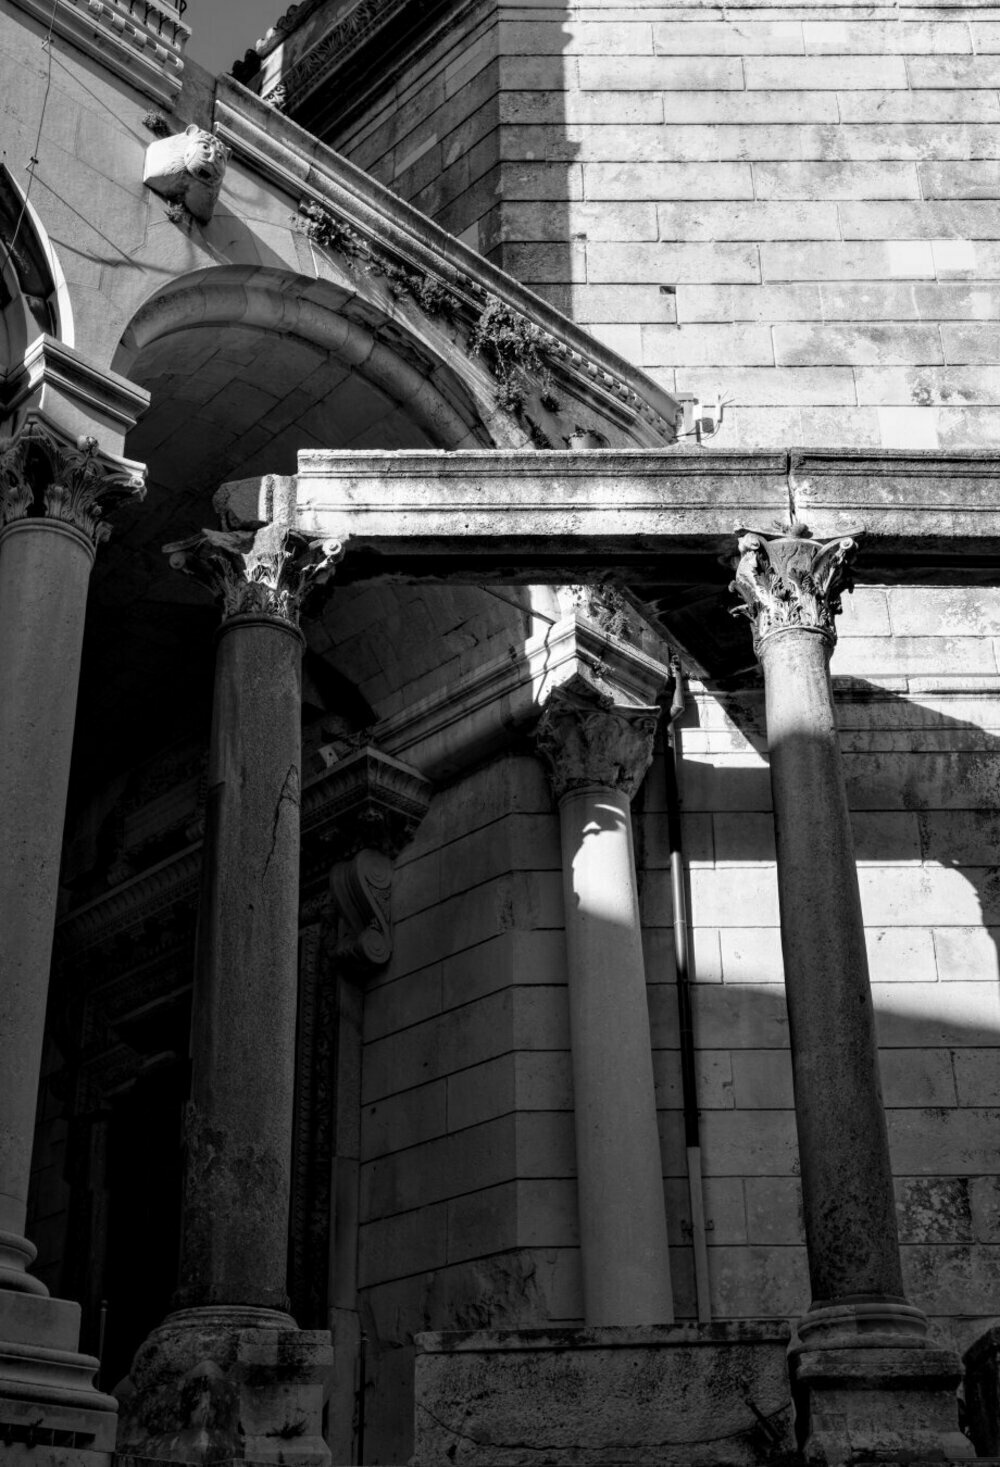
(187, 170)
(369, 805)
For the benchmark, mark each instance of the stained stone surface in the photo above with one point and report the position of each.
(710, 1396)
(879, 1405)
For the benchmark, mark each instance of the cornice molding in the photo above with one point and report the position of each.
(140, 40)
(306, 170)
(475, 716)
(74, 394)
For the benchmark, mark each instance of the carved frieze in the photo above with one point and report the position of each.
(43, 474)
(588, 740)
(264, 572)
(788, 580)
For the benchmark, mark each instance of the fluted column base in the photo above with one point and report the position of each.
(49, 1409)
(228, 1383)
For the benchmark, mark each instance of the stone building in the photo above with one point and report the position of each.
(418, 890)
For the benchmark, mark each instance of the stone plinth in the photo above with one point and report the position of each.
(49, 1408)
(228, 1385)
(688, 1396)
(899, 1404)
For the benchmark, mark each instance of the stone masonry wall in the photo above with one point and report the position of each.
(917, 691)
(793, 205)
(467, 1213)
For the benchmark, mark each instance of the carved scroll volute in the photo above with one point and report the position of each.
(263, 572)
(790, 581)
(360, 911)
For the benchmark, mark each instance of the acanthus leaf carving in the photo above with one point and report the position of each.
(43, 474)
(588, 740)
(360, 910)
(263, 572)
(789, 580)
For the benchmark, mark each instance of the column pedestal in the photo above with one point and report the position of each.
(867, 1383)
(228, 1376)
(50, 514)
(598, 754)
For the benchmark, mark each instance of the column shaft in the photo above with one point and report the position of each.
(44, 574)
(847, 1187)
(623, 1228)
(235, 1233)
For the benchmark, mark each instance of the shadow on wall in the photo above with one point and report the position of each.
(923, 787)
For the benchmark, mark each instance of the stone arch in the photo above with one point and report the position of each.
(434, 385)
(34, 298)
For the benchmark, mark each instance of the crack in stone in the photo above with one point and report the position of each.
(289, 791)
(521, 1446)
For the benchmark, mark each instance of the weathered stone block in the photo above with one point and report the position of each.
(228, 1383)
(713, 37)
(670, 263)
(879, 1403)
(883, 260)
(660, 73)
(685, 1397)
(755, 221)
(670, 181)
(839, 73)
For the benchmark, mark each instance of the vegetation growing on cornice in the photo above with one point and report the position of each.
(511, 346)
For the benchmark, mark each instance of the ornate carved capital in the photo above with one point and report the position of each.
(587, 739)
(360, 911)
(266, 572)
(789, 580)
(44, 475)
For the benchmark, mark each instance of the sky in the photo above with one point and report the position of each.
(221, 30)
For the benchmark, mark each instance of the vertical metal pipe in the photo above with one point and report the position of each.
(684, 965)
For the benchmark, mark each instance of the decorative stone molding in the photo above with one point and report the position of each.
(360, 911)
(367, 799)
(586, 376)
(187, 169)
(43, 474)
(790, 580)
(265, 572)
(586, 739)
(139, 40)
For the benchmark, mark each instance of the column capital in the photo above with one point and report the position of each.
(788, 580)
(588, 740)
(262, 572)
(46, 475)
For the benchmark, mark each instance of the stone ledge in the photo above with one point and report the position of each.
(686, 1396)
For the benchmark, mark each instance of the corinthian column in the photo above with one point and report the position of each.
(232, 1291)
(859, 1328)
(54, 494)
(597, 754)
